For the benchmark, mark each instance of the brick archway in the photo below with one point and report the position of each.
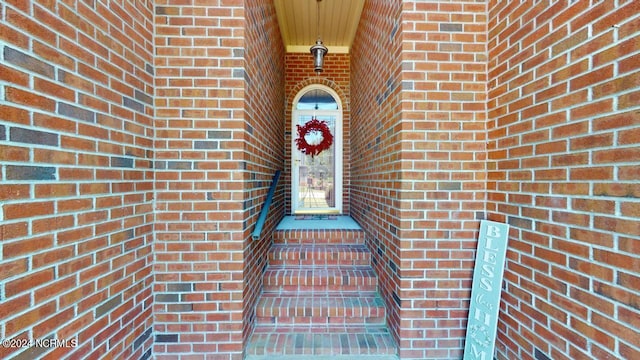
(344, 99)
(317, 81)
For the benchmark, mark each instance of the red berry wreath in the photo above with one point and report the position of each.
(314, 125)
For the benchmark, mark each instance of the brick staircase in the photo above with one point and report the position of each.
(320, 300)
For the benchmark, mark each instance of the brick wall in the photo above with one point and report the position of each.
(264, 146)
(443, 170)
(375, 164)
(564, 114)
(219, 141)
(200, 179)
(419, 175)
(299, 74)
(76, 150)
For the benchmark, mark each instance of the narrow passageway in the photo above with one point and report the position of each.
(139, 139)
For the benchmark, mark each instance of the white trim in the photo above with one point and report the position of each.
(306, 49)
(338, 147)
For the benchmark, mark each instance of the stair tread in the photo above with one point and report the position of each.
(326, 236)
(354, 304)
(316, 270)
(327, 268)
(322, 329)
(321, 294)
(319, 247)
(280, 299)
(328, 245)
(327, 340)
(327, 254)
(346, 273)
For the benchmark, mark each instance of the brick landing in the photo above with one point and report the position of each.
(320, 300)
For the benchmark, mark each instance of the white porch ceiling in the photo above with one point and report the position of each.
(338, 23)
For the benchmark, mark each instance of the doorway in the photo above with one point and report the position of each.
(316, 186)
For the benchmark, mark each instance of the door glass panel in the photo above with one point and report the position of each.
(316, 175)
(317, 100)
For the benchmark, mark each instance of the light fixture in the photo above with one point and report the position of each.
(318, 50)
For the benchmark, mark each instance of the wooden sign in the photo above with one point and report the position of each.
(482, 324)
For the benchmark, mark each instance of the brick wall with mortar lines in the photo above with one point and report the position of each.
(564, 116)
(375, 75)
(264, 145)
(443, 170)
(76, 88)
(424, 156)
(298, 74)
(200, 179)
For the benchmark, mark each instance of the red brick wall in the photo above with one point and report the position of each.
(443, 171)
(76, 169)
(299, 74)
(376, 105)
(264, 146)
(564, 114)
(418, 169)
(219, 141)
(200, 179)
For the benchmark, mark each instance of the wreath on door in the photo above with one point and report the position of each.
(308, 137)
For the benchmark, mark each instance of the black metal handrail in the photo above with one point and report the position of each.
(265, 207)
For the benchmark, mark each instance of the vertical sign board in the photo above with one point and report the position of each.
(482, 324)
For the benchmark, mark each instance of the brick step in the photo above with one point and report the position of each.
(312, 278)
(333, 308)
(345, 342)
(328, 254)
(320, 300)
(318, 236)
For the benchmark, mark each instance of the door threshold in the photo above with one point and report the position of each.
(331, 222)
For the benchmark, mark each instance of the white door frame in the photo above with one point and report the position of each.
(337, 143)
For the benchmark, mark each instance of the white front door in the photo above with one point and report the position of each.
(317, 180)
